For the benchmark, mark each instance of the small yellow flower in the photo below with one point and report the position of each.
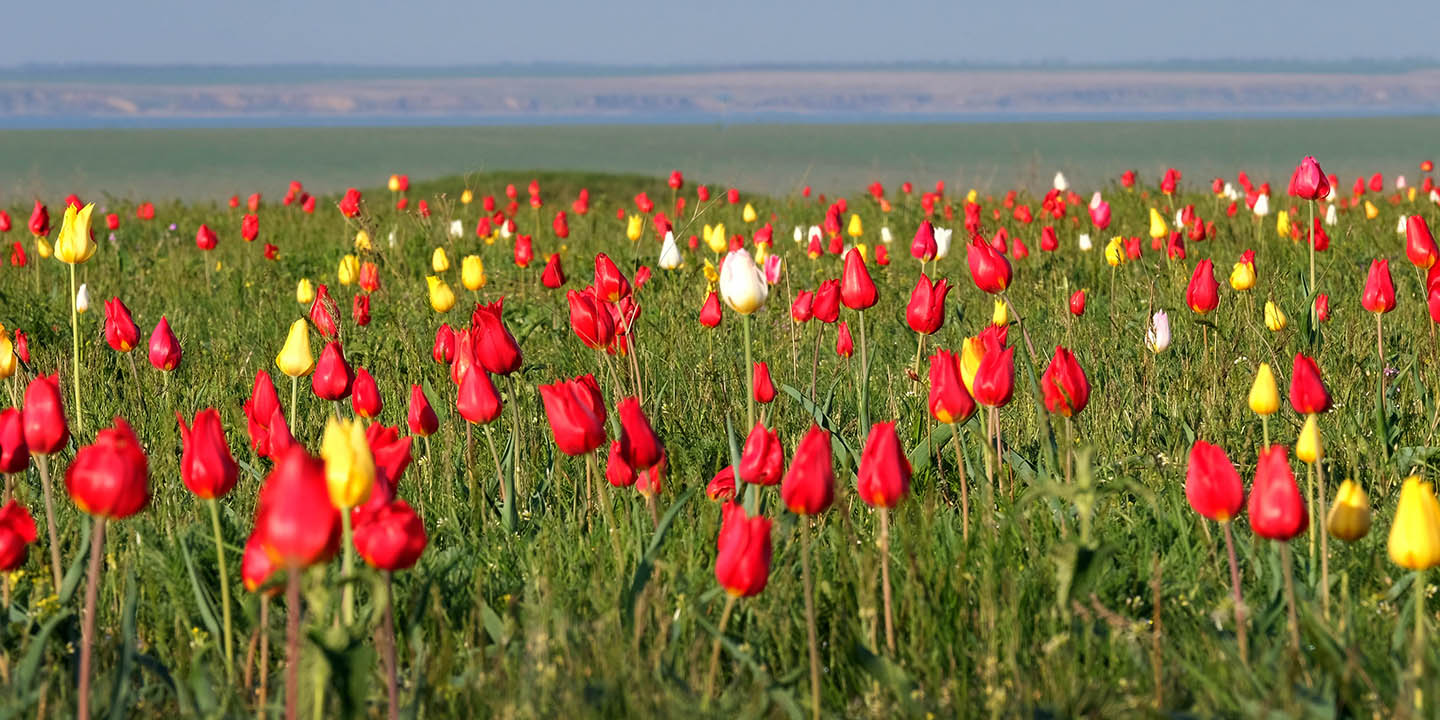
(467, 196)
(854, 229)
(1115, 251)
(711, 275)
(971, 351)
(8, 361)
(1371, 212)
(42, 247)
(1158, 228)
(634, 226)
(1282, 223)
(748, 214)
(362, 241)
(1001, 314)
(1242, 276)
(716, 239)
(1264, 395)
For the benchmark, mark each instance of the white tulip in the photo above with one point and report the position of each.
(1158, 337)
(1179, 221)
(1095, 200)
(742, 285)
(1085, 244)
(1262, 205)
(799, 235)
(1399, 182)
(505, 230)
(942, 242)
(457, 229)
(1400, 226)
(1331, 194)
(885, 236)
(391, 238)
(1435, 196)
(814, 234)
(669, 253)
(82, 298)
(1330, 216)
(1230, 192)
(1061, 183)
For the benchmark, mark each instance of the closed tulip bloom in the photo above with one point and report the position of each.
(365, 395)
(17, 532)
(391, 538)
(495, 347)
(762, 461)
(14, 454)
(360, 310)
(826, 306)
(443, 351)
(1308, 182)
(249, 227)
(477, 401)
(923, 247)
(554, 275)
(40, 220)
(295, 519)
(420, 417)
(205, 238)
(988, 268)
(1414, 542)
(1419, 245)
(304, 292)
(884, 475)
(206, 466)
(640, 447)
(926, 311)
(439, 261)
(1379, 293)
(464, 356)
(1349, 516)
(324, 313)
(110, 478)
(1212, 485)
(44, 416)
(1322, 307)
(742, 284)
(349, 270)
(1309, 448)
(808, 487)
(1308, 394)
(1202, 295)
(618, 472)
(264, 421)
(1158, 228)
(333, 379)
(610, 283)
(802, 310)
(576, 412)
(742, 565)
(1277, 511)
(857, 290)
(472, 273)
(1275, 318)
(1064, 385)
(164, 347)
(949, 401)
(1264, 396)
(589, 320)
(442, 298)
(294, 358)
(710, 314)
(764, 386)
(722, 487)
(1077, 303)
(9, 360)
(73, 245)
(1157, 338)
(349, 465)
(120, 331)
(844, 344)
(1242, 276)
(994, 382)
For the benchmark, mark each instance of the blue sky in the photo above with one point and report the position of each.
(651, 32)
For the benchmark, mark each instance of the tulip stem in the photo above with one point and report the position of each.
(87, 628)
(294, 400)
(1310, 227)
(347, 566)
(1265, 430)
(885, 579)
(1241, 636)
(1380, 353)
(75, 354)
(264, 656)
(224, 588)
(815, 362)
(964, 485)
(749, 373)
(715, 649)
(810, 617)
(391, 672)
(43, 463)
(292, 641)
(1324, 543)
(1294, 622)
(919, 352)
(507, 503)
(1419, 659)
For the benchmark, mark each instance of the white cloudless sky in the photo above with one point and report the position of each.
(660, 32)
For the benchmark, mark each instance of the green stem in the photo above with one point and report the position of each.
(224, 588)
(508, 503)
(1419, 641)
(75, 351)
(864, 385)
(347, 564)
(810, 625)
(749, 380)
(294, 400)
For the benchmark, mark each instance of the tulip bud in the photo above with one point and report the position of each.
(1414, 542)
(1349, 516)
(1264, 395)
(349, 465)
(1308, 448)
(442, 298)
(294, 358)
(1274, 316)
(304, 292)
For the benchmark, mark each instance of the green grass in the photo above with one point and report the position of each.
(212, 164)
(1031, 616)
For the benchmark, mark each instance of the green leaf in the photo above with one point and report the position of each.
(207, 613)
(647, 561)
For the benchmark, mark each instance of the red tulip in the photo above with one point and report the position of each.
(365, 395)
(164, 347)
(120, 331)
(1379, 294)
(478, 402)
(206, 466)
(949, 401)
(297, 524)
(554, 275)
(844, 346)
(391, 538)
(495, 347)
(722, 486)
(1077, 303)
(256, 567)
(1322, 307)
(40, 220)
(250, 227)
(17, 255)
(988, 268)
(742, 565)
(264, 421)
(524, 251)
(332, 379)
(803, 308)
(710, 314)
(857, 290)
(145, 211)
(826, 306)
(17, 532)
(923, 247)
(271, 251)
(1419, 246)
(561, 225)
(764, 386)
(308, 205)
(576, 412)
(369, 279)
(360, 310)
(589, 320)
(884, 475)
(702, 193)
(1377, 183)
(422, 209)
(444, 349)
(349, 205)
(324, 313)
(14, 454)
(110, 477)
(1066, 390)
(677, 181)
(4, 222)
(809, 485)
(420, 417)
(610, 283)
(112, 221)
(1203, 292)
(252, 203)
(205, 238)
(464, 356)
(1308, 182)
(1211, 484)
(617, 471)
(994, 382)
(44, 416)
(1277, 511)
(733, 196)
(640, 447)
(926, 311)
(762, 461)
(642, 276)
(1308, 394)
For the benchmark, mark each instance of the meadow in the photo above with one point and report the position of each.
(1078, 582)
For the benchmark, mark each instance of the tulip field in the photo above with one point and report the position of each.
(546, 444)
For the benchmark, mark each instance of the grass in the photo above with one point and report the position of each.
(1107, 597)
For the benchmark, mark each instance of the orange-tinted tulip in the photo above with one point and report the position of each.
(1379, 293)
(120, 331)
(884, 475)
(1212, 485)
(1064, 385)
(110, 477)
(742, 564)
(44, 416)
(1277, 511)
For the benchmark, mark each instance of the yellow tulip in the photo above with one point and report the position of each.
(971, 351)
(472, 272)
(1308, 448)
(349, 466)
(442, 298)
(763, 250)
(634, 225)
(1158, 229)
(73, 245)
(362, 241)
(748, 214)
(1410, 196)
(1371, 212)
(1264, 395)
(711, 275)
(1115, 251)
(1415, 533)
(1349, 517)
(1282, 223)
(349, 270)
(705, 233)
(304, 293)
(8, 361)
(42, 247)
(717, 241)
(439, 262)
(394, 183)
(295, 359)
(1242, 276)
(854, 229)
(1274, 316)
(1000, 315)
(970, 196)
(863, 250)
(467, 196)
